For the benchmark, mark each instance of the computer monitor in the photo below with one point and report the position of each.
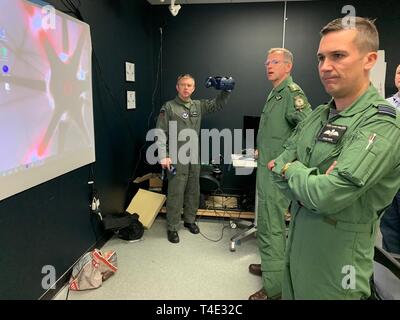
(251, 123)
(46, 109)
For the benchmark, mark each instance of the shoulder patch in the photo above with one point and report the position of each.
(387, 110)
(299, 102)
(294, 87)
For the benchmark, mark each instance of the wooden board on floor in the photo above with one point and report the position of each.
(221, 213)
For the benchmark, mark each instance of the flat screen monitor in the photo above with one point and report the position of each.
(46, 108)
(251, 123)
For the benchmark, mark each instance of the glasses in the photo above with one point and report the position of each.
(273, 62)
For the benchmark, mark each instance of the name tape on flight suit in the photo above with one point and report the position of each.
(332, 133)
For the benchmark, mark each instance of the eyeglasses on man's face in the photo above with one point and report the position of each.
(273, 62)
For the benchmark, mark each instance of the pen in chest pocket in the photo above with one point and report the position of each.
(370, 140)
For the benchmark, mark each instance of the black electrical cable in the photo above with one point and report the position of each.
(74, 8)
(94, 214)
(153, 104)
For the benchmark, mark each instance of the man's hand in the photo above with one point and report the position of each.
(271, 165)
(221, 83)
(330, 169)
(166, 163)
(256, 154)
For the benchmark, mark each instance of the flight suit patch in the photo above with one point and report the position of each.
(299, 102)
(332, 133)
(185, 115)
(194, 114)
(294, 87)
(387, 110)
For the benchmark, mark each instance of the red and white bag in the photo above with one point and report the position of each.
(92, 269)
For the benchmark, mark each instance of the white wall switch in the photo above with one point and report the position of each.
(131, 99)
(130, 71)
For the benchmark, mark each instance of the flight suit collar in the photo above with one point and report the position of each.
(367, 99)
(280, 87)
(283, 84)
(185, 104)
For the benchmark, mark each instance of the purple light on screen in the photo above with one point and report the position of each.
(63, 57)
(36, 22)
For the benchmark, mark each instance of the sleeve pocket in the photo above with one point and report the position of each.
(360, 159)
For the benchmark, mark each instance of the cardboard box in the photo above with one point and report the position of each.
(222, 202)
(155, 182)
(147, 205)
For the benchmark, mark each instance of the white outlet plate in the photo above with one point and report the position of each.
(130, 71)
(131, 99)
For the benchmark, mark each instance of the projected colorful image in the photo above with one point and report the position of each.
(46, 114)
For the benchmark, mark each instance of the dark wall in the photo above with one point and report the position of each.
(233, 40)
(50, 224)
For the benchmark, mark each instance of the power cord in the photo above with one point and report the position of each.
(219, 216)
(153, 102)
(73, 6)
(94, 203)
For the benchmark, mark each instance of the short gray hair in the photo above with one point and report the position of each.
(184, 75)
(288, 56)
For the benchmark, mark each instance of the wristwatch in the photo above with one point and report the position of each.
(285, 167)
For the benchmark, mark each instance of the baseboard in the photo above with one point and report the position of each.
(63, 280)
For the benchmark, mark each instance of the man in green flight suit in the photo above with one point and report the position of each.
(341, 169)
(286, 106)
(183, 171)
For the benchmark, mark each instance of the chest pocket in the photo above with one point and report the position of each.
(324, 154)
(329, 142)
(195, 116)
(181, 115)
(363, 157)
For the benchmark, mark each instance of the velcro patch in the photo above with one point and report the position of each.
(331, 133)
(185, 115)
(294, 87)
(299, 102)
